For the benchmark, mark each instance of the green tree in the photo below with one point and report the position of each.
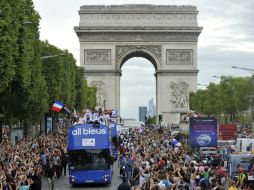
(198, 101)
(68, 89)
(243, 91)
(81, 89)
(227, 90)
(213, 99)
(28, 84)
(23, 90)
(151, 120)
(53, 71)
(8, 38)
(91, 97)
(231, 97)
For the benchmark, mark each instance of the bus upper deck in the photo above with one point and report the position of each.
(90, 155)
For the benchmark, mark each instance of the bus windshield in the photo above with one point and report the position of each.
(97, 159)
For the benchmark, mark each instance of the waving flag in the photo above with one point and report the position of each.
(176, 142)
(57, 106)
(114, 113)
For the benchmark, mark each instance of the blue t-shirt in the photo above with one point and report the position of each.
(128, 166)
(24, 187)
(166, 183)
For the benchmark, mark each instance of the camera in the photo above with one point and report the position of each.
(2, 179)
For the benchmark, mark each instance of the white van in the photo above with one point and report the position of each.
(245, 144)
(226, 142)
(208, 151)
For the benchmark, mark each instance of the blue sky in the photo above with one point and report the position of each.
(227, 40)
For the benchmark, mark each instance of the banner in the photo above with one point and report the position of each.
(203, 132)
(49, 125)
(227, 132)
(86, 136)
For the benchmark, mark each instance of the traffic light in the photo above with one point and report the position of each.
(160, 118)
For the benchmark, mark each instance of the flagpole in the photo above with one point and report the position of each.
(53, 122)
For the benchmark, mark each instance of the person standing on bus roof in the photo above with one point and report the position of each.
(88, 116)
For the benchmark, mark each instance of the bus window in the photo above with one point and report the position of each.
(98, 159)
(114, 141)
(245, 160)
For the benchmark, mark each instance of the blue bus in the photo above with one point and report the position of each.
(114, 138)
(90, 155)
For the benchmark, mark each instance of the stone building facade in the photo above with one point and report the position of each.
(165, 35)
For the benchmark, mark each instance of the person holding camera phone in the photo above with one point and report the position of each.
(24, 183)
(3, 183)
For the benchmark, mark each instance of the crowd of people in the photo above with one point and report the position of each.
(23, 165)
(153, 162)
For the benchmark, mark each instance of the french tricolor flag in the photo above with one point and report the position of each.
(57, 106)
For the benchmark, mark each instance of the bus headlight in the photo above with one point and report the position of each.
(73, 179)
(105, 177)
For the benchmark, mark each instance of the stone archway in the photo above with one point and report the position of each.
(165, 35)
(151, 53)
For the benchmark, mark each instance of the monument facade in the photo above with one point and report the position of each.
(165, 35)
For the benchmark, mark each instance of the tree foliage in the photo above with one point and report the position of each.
(230, 97)
(91, 97)
(23, 82)
(8, 42)
(151, 120)
(85, 95)
(66, 81)
(34, 73)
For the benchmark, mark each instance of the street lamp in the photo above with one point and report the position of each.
(214, 76)
(51, 56)
(246, 69)
(46, 119)
(202, 84)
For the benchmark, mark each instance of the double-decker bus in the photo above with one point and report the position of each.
(90, 155)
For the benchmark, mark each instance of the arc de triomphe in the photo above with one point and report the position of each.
(165, 35)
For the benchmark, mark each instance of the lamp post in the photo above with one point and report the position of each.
(242, 68)
(252, 95)
(47, 120)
